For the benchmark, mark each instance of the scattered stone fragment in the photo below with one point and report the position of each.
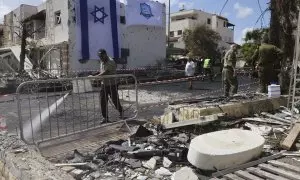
(108, 174)
(77, 173)
(151, 164)
(185, 173)
(166, 162)
(142, 177)
(78, 157)
(96, 174)
(157, 158)
(142, 170)
(133, 163)
(68, 168)
(163, 172)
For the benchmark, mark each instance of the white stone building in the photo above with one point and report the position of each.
(189, 19)
(54, 23)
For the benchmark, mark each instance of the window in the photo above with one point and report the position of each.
(225, 23)
(208, 21)
(179, 32)
(122, 20)
(57, 17)
(172, 34)
(171, 45)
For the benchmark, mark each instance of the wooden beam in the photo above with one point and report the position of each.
(275, 117)
(265, 174)
(285, 166)
(247, 165)
(71, 164)
(291, 138)
(247, 176)
(280, 172)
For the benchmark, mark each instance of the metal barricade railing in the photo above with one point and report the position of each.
(51, 109)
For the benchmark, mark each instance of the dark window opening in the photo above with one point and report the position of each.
(172, 34)
(208, 21)
(57, 16)
(179, 32)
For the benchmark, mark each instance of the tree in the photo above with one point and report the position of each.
(248, 50)
(256, 35)
(201, 42)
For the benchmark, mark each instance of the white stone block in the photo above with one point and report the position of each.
(224, 149)
(184, 173)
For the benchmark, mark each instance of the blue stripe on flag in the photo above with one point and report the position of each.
(84, 30)
(114, 27)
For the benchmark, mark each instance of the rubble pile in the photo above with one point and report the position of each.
(152, 152)
(149, 153)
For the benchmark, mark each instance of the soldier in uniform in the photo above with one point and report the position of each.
(229, 75)
(267, 60)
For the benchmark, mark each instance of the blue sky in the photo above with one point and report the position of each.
(242, 13)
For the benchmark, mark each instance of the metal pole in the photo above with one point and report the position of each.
(169, 23)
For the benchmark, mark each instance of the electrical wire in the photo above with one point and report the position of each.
(261, 11)
(223, 7)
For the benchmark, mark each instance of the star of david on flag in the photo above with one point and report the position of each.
(97, 27)
(144, 12)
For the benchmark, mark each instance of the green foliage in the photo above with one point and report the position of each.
(201, 42)
(256, 35)
(248, 50)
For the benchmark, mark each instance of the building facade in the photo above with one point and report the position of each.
(54, 25)
(189, 19)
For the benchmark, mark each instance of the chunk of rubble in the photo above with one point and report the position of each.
(151, 164)
(140, 177)
(185, 173)
(166, 162)
(163, 172)
(224, 149)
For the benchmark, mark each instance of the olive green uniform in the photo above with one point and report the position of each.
(229, 77)
(267, 58)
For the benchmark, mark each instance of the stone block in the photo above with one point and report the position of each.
(185, 173)
(224, 149)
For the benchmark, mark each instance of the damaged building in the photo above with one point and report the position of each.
(51, 46)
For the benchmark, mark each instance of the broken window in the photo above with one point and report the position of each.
(122, 20)
(172, 34)
(179, 32)
(57, 15)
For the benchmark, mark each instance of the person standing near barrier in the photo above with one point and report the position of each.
(207, 66)
(228, 73)
(267, 60)
(108, 85)
(190, 71)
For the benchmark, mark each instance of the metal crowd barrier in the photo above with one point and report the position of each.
(56, 108)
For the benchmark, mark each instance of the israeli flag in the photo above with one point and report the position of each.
(97, 27)
(144, 12)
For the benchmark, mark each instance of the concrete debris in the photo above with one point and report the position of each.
(77, 173)
(261, 130)
(68, 168)
(163, 172)
(108, 174)
(185, 173)
(142, 177)
(96, 174)
(166, 162)
(151, 164)
(78, 157)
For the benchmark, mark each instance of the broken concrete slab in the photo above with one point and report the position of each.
(166, 162)
(185, 173)
(224, 149)
(151, 164)
(237, 110)
(163, 172)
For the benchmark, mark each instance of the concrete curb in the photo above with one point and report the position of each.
(18, 161)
